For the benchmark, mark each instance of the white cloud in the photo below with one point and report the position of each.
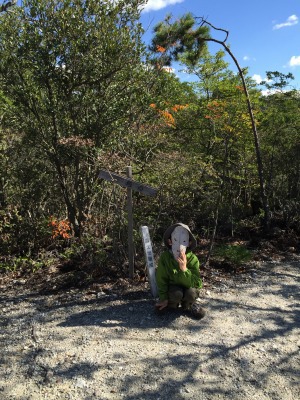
(294, 61)
(169, 69)
(292, 20)
(269, 92)
(154, 5)
(248, 58)
(257, 78)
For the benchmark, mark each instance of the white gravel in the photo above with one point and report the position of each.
(92, 345)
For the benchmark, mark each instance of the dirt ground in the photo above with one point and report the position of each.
(105, 343)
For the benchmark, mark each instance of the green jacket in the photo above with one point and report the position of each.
(168, 273)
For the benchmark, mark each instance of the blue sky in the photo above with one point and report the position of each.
(264, 35)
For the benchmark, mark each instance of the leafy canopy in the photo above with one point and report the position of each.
(178, 38)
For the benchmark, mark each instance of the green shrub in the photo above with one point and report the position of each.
(234, 254)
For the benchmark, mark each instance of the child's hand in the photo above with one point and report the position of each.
(182, 261)
(161, 304)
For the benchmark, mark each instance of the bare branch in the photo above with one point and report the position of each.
(205, 22)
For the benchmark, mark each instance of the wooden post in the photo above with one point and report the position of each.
(130, 225)
(130, 185)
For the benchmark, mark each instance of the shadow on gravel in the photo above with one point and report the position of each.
(136, 314)
(221, 360)
(212, 360)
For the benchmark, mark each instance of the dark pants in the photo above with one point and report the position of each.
(180, 294)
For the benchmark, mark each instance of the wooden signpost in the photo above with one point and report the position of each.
(127, 182)
(131, 185)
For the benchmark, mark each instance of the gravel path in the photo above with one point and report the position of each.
(103, 345)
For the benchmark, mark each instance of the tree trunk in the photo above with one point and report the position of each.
(263, 194)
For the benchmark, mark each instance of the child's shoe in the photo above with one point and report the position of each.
(197, 311)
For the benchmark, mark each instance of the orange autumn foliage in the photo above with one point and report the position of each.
(216, 109)
(178, 107)
(240, 88)
(160, 49)
(60, 228)
(167, 113)
(168, 118)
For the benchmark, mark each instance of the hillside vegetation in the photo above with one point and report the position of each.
(80, 92)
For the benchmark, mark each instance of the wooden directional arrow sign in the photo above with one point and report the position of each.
(128, 183)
